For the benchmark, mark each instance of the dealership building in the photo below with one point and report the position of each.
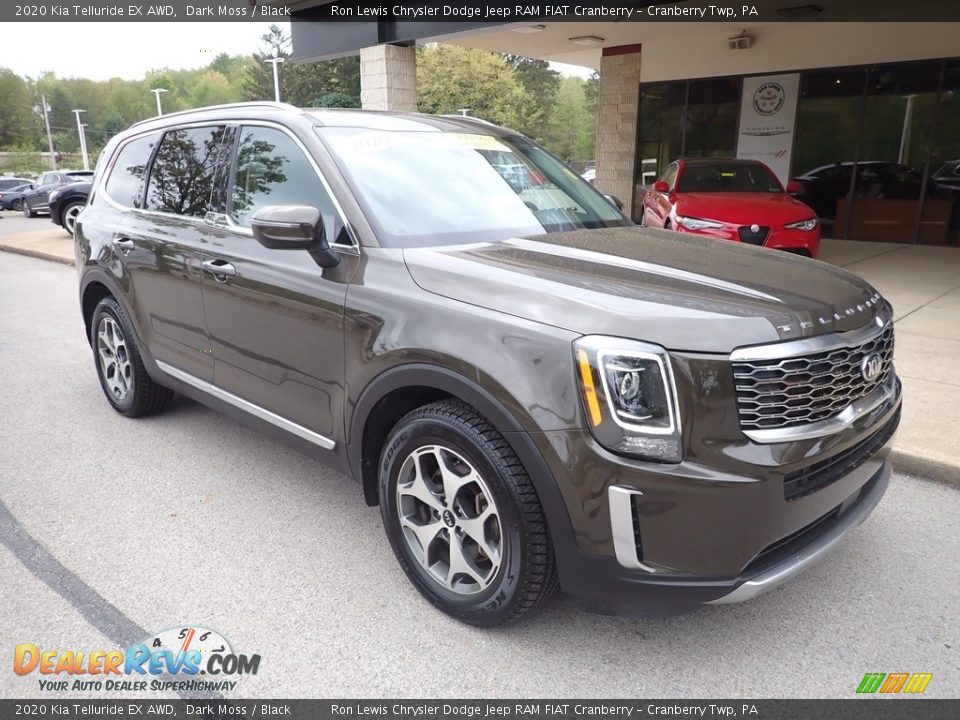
(863, 116)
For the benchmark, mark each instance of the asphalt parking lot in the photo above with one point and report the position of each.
(113, 528)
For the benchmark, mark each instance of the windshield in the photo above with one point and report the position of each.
(426, 188)
(728, 177)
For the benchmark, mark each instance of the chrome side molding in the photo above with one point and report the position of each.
(247, 406)
(620, 499)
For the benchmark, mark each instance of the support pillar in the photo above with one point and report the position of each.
(617, 114)
(388, 78)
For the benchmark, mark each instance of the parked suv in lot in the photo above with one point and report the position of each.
(532, 388)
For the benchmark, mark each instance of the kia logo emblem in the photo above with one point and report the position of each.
(870, 367)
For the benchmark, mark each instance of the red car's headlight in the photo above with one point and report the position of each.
(803, 225)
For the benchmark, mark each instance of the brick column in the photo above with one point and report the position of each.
(388, 78)
(617, 115)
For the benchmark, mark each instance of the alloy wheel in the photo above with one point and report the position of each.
(70, 218)
(114, 358)
(449, 520)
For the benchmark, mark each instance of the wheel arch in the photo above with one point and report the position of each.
(401, 389)
(96, 285)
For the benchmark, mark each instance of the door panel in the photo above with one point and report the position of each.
(165, 283)
(276, 330)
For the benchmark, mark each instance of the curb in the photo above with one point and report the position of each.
(922, 467)
(53, 257)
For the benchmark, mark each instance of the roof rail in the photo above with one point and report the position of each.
(254, 104)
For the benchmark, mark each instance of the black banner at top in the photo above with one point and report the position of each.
(473, 11)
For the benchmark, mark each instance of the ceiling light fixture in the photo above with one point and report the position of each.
(586, 40)
(526, 29)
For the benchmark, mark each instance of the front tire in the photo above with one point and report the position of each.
(123, 378)
(462, 516)
(25, 207)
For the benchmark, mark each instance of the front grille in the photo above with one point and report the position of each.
(820, 474)
(753, 238)
(774, 394)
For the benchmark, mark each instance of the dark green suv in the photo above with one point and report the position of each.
(532, 388)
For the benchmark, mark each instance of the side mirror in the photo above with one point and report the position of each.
(661, 187)
(294, 227)
(615, 201)
(794, 187)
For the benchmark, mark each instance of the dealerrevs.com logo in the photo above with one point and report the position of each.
(188, 659)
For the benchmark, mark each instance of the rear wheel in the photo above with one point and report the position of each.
(16, 204)
(124, 379)
(462, 516)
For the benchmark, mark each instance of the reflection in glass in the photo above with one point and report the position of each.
(181, 179)
(125, 184)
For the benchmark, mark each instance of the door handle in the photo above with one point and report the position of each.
(123, 243)
(220, 269)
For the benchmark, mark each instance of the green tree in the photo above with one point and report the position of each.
(336, 100)
(542, 83)
(17, 121)
(571, 134)
(451, 78)
(258, 84)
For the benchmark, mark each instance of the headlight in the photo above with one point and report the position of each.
(698, 224)
(54, 195)
(630, 397)
(803, 225)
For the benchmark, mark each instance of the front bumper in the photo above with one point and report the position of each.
(660, 539)
(778, 238)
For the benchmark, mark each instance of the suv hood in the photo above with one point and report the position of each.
(684, 292)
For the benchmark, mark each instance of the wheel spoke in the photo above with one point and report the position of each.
(475, 528)
(106, 339)
(418, 489)
(425, 535)
(459, 564)
(452, 482)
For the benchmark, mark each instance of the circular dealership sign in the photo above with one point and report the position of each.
(769, 98)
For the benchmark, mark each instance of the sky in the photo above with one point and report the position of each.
(129, 50)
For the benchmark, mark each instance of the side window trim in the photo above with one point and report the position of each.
(354, 243)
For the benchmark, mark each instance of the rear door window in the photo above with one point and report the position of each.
(183, 171)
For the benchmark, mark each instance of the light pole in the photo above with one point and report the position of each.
(276, 76)
(157, 92)
(83, 140)
(45, 112)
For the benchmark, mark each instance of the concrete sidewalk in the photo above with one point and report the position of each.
(922, 282)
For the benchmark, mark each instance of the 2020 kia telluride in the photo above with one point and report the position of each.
(532, 389)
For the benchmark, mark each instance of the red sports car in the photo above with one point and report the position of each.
(740, 200)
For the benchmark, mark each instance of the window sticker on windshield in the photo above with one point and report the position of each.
(727, 174)
(377, 141)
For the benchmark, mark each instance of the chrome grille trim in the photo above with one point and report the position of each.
(812, 387)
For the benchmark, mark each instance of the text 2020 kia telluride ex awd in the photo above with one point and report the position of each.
(531, 388)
